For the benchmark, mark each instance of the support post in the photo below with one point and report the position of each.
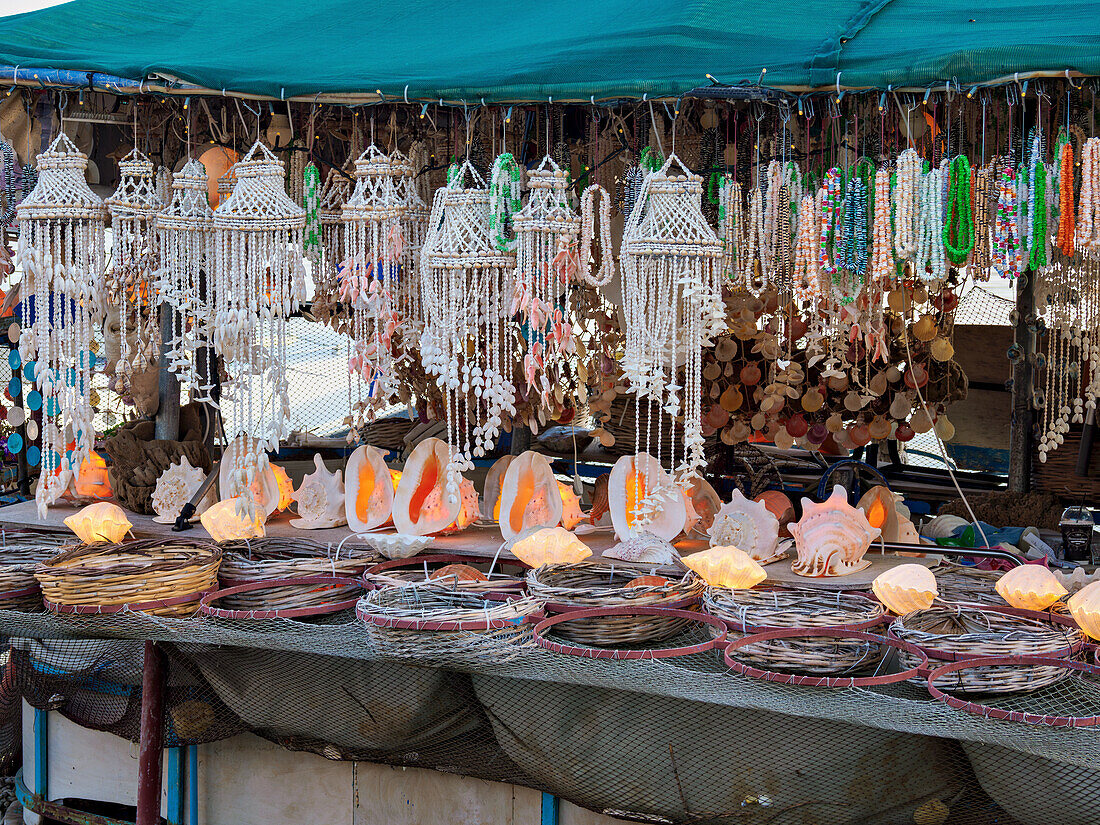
(192, 785)
(551, 809)
(174, 781)
(41, 753)
(1019, 445)
(168, 388)
(150, 753)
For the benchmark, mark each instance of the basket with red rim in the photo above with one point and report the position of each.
(700, 633)
(451, 571)
(751, 612)
(296, 598)
(952, 633)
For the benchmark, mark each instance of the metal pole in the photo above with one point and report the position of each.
(151, 751)
(168, 388)
(1019, 445)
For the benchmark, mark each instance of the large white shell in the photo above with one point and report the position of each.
(831, 538)
(421, 505)
(494, 481)
(529, 496)
(644, 548)
(174, 489)
(667, 516)
(367, 466)
(747, 525)
(265, 488)
(320, 499)
(396, 545)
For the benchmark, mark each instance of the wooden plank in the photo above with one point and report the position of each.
(983, 419)
(980, 351)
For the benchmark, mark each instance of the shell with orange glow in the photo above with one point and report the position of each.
(726, 567)
(906, 588)
(571, 513)
(529, 497)
(780, 506)
(494, 481)
(1084, 606)
(468, 510)
(886, 512)
(831, 537)
(265, 488)
(285, 485)
(368, 490)
(548, 545)
(90, 481)
(705, 501)
(420, 503)
(632, 480)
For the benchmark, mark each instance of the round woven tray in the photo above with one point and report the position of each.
(967, 585)
(314, 596)
(858, 677)
(419, 569)
(387, 433)
(566, 587)
(714, 636)
(1063, 711)
(165, 577)
(958, 632)
(20, 552)
(276, 558)
(410, 620)
(753, 611)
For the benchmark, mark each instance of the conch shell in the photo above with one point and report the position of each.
(421, 505)
(644, 548)
(369, 489)
(265, 488)
(749, 526)
(831, 538)
(320, 499)
(174, 489)
(494, 481)
(705, 501)
(468, 510)
(529, 497)
(571, 512)
(643, 497)
(102, 521)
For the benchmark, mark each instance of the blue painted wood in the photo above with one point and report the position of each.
(174, 786)
(41, 753)
(551, 807)
(192, 785)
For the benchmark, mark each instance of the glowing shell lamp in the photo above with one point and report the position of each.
(102, 521)
(529, 496)
(370, 486)
(224, 522)
(91, 479)
(549, 545)
(906, 588)
(726, 567)
(421, 505)
(286, 487)
(1030, 587)
(1084, 606)
(885, 511)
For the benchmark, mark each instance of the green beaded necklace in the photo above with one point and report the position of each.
(958, 230)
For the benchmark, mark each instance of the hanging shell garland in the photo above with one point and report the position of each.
(831, 537)
(643, 497)
(748, 525)
(320, 499)
(61, 252)
(175, 487)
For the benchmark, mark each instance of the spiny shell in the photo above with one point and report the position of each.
(747, 525)
(320, 499)
(831, 538)
(644, 548)
(174, 489)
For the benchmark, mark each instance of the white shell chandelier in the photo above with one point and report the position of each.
(368, 279)
(259, 279)
(61, 251)
(672, 301)
(186, 234)
(463, 276)
(334, 194)
(547, 262)
(134, 207)
(414, 225)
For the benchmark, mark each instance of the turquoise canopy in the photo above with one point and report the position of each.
(561, 49)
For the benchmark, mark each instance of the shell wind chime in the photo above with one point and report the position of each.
(414, 225)
(134, 207)
(368, 278)
(186, 235)
(672, 299)
(334, 194)
(547, 262)
(259, 279)
(61, 252)
(465, 338)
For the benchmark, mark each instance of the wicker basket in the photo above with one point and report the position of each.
(427, 622)
(272, 558)
(960, 632)
(20, 552)
(622, 424)
(747, 612)
(307, 596)
(566, 587)
(387, 433)
(967, 585)
(165, 577)
(420, 569)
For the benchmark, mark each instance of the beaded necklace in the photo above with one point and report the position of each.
(1088, 216)
(958, 230)
(1066, 222)
(906, 200)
